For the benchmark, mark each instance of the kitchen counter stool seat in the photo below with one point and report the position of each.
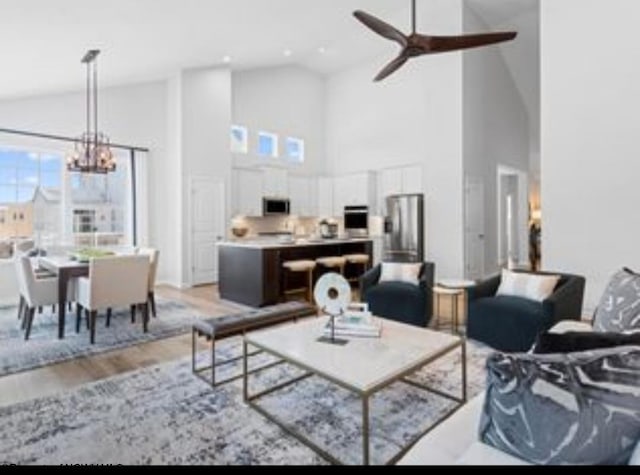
(358, 260)
(299, 267)
(333, 263)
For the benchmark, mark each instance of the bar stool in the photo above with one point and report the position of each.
(338, 263)
(299, 267)
(358, 260)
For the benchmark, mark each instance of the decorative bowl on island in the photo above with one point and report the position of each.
(240, 232)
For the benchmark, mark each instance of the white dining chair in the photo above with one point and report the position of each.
(154, 258)
(114, 282)
(35, 292)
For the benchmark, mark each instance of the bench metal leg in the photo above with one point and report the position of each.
(193, 350)
(213, 362)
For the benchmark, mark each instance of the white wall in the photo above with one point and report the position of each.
(206, 122)
(288, 101)
(496, 127)
(169, 190)
(590, 147)
(413, 117)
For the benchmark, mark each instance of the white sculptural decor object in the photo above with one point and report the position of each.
(333, 296)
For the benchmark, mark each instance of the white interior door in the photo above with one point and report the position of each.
(475, 238)
(207, 228)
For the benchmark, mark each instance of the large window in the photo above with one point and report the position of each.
(41, 201)
(22, 172)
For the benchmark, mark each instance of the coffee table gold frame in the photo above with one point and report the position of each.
(365, 396)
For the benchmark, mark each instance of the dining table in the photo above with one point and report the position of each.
(65, 269)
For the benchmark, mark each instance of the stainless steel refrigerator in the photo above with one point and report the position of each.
(404, 229)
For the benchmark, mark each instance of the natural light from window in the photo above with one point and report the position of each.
(267, 145)
(41, 202)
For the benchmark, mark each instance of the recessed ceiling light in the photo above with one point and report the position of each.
(322, 50)
(226, 59)
(288, 53)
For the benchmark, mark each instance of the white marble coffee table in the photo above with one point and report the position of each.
(373, 365)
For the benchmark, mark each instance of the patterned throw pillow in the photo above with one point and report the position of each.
(528, 286)
(619, 309)
(579, 408)
(394, 272)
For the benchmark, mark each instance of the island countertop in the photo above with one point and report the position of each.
(274, 244)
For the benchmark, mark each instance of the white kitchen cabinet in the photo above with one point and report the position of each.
(358, 189)
(247, 192)
(412, 180)
(302, 193)
(395, 181)
(389, 183)
(276, 183)
(324, 206)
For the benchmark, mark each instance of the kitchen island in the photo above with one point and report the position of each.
(251, 272)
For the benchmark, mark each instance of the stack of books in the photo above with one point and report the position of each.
(355, 323)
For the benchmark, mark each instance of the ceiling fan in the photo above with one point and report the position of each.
(417, 45)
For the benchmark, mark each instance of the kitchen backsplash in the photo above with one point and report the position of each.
(297, 226)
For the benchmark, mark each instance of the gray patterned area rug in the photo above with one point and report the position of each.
(165, 416)
(44, 348)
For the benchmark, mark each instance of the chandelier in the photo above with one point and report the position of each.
(92, 152)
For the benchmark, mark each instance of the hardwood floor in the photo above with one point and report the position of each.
(45, 381)
(51, 379)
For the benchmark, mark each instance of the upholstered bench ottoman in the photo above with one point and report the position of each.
(239, 324)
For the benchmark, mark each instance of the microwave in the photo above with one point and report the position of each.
(276, 207)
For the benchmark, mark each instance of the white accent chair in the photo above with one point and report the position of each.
(154, 258)
(35, 293)
(114, 282)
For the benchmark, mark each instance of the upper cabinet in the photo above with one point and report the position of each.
(412, 180)
(247, 192)
(302, 193)
(325, 197)
(275, 183)
(389, 183)
(358, 189)
(396, 181)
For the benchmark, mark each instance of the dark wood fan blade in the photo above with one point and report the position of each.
(382, 28)
(392, 67)
(443, 44)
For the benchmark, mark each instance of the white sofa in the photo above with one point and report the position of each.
(456, 441)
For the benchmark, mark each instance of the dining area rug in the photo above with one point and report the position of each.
(44, 348)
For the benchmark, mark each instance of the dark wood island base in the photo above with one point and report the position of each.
(252, 274)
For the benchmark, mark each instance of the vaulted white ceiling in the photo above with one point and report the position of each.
(523, 57)
(42, 41)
